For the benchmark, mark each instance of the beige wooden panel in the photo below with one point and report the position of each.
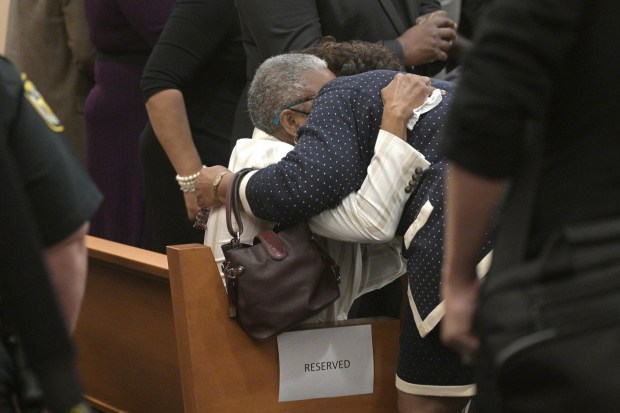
(152, 339)
(224, 370)
(4, 12)
(125, 337)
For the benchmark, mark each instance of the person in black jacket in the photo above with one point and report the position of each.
(553, 63)
(47, 202)
(416, 31)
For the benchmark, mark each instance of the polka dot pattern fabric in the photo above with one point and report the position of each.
(330, 160)
(425, 361)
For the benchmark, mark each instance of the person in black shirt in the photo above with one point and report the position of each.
(192, 83)
(552, 63)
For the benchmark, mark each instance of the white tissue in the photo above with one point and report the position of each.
(430, 102)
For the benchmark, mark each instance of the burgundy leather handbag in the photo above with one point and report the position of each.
(279, 281)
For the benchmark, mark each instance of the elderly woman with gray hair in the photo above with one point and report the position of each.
(350, 117)
(279, 102)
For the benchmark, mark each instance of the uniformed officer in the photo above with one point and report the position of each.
(47, 202)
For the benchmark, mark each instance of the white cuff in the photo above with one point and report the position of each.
(242, 197)
(390, 146)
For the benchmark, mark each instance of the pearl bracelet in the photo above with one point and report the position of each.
(188, 183)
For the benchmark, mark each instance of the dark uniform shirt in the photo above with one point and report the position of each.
(46, 197)
(59, 191)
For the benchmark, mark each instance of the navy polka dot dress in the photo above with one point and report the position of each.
(330, 160)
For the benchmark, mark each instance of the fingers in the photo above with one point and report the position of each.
(441, 56)
(445, 45)
(435, 14)
(444, 22)
(407, 89)
(438, 18)
(191, 205)
(413, 81)
(413, 78)
(459, 339)
(423, 82)
(446, 33)
(465, 344)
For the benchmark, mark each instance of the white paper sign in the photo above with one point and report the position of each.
(327, 362)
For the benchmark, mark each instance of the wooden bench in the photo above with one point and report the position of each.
(154, 336)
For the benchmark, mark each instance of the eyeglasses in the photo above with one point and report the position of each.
(276, 119)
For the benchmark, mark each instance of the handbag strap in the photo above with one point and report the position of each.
(512, 234)
(232, 203)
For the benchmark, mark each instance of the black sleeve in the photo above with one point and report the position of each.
(507, 79)
(281, 26)
(472, 12)
(429, 6)
(60, 191)
(194, 31)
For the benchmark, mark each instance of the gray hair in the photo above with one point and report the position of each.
(278, 81)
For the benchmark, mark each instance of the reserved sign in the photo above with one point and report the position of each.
(327, 362)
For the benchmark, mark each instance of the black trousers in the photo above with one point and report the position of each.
(7, 384)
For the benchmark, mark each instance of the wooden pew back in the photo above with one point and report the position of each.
(154, 336)
(125, 335)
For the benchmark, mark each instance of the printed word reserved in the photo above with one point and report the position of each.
(327, 365)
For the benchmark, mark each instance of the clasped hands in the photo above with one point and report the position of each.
(429, 40)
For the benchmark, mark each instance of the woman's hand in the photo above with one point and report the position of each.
(191, 204)
(204, 187)
(457, 329)
(400, 97)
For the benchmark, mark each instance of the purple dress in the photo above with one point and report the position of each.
(123, 32)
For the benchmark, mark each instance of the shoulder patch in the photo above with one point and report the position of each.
(35, 98)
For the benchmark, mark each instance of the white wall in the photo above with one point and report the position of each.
(4, 11)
